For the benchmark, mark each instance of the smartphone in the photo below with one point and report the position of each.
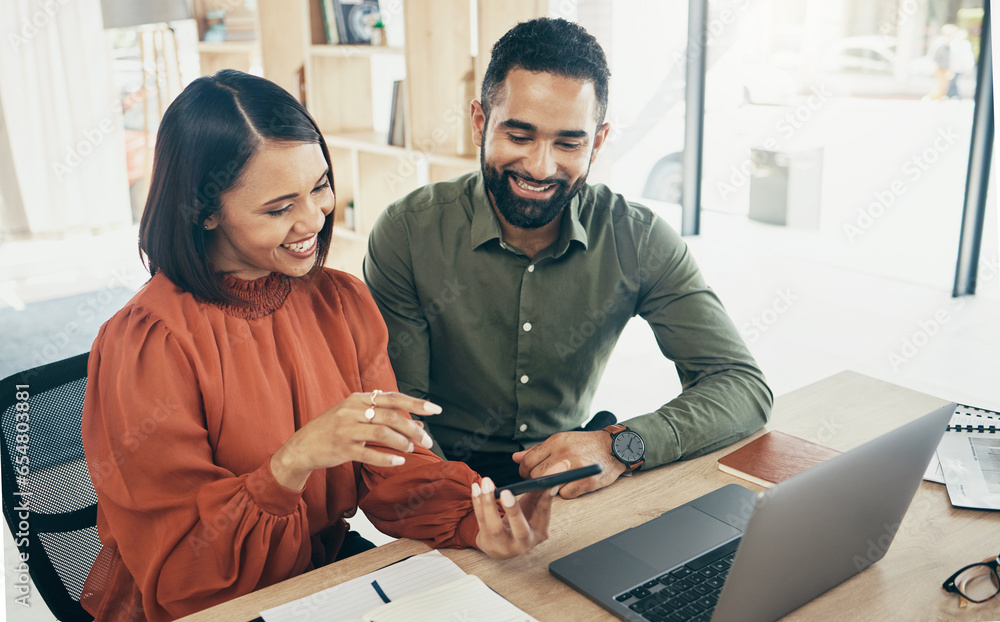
(548, 481)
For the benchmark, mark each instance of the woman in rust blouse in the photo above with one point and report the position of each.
(242, 404)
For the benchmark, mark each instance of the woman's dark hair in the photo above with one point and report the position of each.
(551, 45)
(205, 140)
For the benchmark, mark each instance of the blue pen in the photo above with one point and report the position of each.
(381, 594)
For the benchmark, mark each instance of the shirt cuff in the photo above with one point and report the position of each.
(268, 494)
(468, 529)
(659, 437)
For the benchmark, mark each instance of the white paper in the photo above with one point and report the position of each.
(464, 599)
(970, 461)
(963, 416)
(353, 599)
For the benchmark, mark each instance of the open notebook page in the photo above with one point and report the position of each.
(353, 599)
(462, 600)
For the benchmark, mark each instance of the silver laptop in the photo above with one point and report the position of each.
(735, 555)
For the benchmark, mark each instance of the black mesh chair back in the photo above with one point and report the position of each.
(48, 499)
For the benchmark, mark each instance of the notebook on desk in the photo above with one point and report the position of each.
(734, 555)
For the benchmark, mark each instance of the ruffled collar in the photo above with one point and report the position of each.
(254, 299)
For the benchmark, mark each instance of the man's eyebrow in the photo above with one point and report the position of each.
(294, 194)
(515, 124)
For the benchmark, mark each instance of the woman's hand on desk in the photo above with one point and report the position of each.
(341, 435)
(525, 523)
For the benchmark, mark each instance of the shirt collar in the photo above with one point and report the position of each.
(486, 226)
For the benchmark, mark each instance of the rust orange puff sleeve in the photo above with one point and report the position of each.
(189, 533)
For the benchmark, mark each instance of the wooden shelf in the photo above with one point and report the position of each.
(325, 49)
(366, 140)
(227, 47)
(377, 142)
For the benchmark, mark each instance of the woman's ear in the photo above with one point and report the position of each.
(211, 222)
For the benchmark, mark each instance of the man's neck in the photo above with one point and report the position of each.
(529, 241)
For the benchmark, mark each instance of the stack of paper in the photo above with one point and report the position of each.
(968, 459)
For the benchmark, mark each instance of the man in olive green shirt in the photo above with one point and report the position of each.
(505, 290)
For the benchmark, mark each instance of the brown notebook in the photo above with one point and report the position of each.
(773, 458)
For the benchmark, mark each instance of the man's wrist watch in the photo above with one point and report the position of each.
(627, 446)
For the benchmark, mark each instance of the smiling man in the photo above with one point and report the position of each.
(506, 290)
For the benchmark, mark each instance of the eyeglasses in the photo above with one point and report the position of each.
(976, 583)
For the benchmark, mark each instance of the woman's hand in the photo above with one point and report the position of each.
(525, 523)
(342, 433)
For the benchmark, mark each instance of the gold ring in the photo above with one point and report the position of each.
(373, 395)
(370, 414)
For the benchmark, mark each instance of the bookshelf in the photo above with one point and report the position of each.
(214, 55)
(347, 89)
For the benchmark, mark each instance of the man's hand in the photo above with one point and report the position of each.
(579, 449)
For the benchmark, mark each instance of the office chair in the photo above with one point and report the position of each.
(44, 470)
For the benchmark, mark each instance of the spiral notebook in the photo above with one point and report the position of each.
(969, 455)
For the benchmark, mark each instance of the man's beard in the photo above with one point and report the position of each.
(527, 213)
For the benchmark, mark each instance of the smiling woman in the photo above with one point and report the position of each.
(260, 381)
(225, 164)
(255, 234)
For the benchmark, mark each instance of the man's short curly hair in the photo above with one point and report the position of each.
(551, 45)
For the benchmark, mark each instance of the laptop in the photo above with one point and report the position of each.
(735, 555)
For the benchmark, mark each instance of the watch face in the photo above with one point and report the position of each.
(628, 446)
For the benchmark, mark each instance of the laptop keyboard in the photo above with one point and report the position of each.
(684, 594)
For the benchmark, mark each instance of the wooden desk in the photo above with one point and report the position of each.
(842, 412)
